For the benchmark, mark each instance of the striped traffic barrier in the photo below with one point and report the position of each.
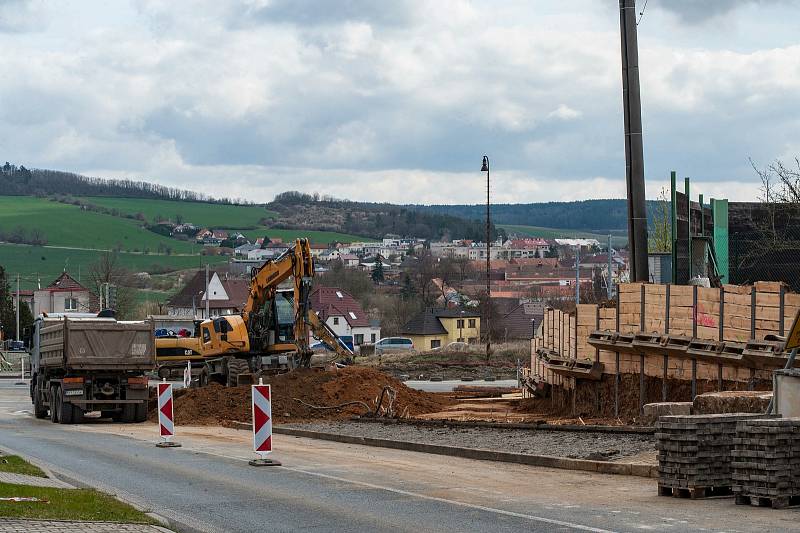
(166, 416)
(262, 424)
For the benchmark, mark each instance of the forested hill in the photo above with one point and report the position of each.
(588, 215)
(20, 181)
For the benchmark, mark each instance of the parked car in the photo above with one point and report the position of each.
(163, 332)
(393, 344)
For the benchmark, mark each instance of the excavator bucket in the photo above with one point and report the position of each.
(245, 379)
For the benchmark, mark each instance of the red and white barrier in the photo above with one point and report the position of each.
(262, 423)
(166, 416)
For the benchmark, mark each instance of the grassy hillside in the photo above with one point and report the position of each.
(618, 238)
(204, 214)
(33, 262)
(68, 225)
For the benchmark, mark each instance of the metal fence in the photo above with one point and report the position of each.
(761, 255)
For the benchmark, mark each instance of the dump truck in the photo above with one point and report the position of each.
(82, 363)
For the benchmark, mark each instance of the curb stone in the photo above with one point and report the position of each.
(586, 465)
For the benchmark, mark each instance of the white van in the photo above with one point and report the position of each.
(393, 344)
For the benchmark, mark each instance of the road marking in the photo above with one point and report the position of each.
(533, 518)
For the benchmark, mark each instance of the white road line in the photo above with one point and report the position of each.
(542, 519)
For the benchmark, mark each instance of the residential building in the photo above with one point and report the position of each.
(64, 295)
(349, 260)
(344, 315)
(243, 249)
(516, 318)
(435, 328)
(226, 296)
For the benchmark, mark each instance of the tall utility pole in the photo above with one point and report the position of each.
(577, 275)
(634, 152)
(485, 168)
(18, 307)
(610, 279)
(208, 314)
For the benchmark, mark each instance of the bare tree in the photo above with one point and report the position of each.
(108, 269)
(660, 239)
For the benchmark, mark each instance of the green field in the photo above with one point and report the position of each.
(317, 237)
(34, 263)
(69, 225)
(619, 238)
(201, 214)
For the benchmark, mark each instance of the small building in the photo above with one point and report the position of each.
(435, 328)
(226, 296)
(64, 295)
(344, 315)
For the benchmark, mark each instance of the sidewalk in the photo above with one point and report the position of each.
(15, 525)
(33, 481)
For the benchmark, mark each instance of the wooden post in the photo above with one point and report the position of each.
(641, 384)
(722, 314)
(719, 377)
(753, 312)
(616, 374)
(666, 330)
(782, 311)
(694, 335)
(694, 378)
(597, 356)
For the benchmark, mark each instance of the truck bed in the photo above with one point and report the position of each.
(98, 345)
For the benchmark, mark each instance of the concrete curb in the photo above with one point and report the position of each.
(624, 430)
(600, 467)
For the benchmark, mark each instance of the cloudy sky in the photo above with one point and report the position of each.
(397, 100)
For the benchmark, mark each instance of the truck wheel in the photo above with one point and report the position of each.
(39, 410)
(236, 367)
(64, 409)
(128, 413)
(140, 412)
(163, 372)
(202, 379)
(54, 404)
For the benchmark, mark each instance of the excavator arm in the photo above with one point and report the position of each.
(321, 331)
(297, 263)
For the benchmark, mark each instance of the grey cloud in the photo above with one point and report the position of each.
(700, 11)
(327, 12)
(20, 16)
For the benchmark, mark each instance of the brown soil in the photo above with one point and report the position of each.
(595, 399)
(217, 405)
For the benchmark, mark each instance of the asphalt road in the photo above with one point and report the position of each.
(207, 485)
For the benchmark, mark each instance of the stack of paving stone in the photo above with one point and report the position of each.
(766, 461)
(694, 453)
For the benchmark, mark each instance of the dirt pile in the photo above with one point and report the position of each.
(215, 404)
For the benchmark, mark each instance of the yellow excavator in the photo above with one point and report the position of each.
(270, 335)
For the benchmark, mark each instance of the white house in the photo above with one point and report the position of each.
(344, 315)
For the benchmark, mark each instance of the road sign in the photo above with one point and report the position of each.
(262, 423)
(793, 340)
(166, 418)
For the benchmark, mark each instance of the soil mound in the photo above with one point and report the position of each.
(218, 405)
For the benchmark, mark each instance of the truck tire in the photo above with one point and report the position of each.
(39, 410)
(202, 379)
(235, 367)
(54, 404)
(64, 409)
(163, 372)
(126, 415)
(140, 412)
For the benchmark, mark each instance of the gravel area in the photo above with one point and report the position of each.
(577, 444)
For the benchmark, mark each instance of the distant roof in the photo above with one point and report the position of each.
(428, 323)
(237, 290)
(333, 301)
(65, 282)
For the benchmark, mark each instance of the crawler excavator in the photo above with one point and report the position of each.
(271, 334)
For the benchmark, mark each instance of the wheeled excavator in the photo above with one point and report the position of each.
(271, 335)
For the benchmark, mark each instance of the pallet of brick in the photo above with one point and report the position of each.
(766, 462)
(695, 453)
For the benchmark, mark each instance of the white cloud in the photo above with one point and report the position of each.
(392, 102)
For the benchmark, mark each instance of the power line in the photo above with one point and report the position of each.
(641, 13)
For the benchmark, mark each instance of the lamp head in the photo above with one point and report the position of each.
(485, 165)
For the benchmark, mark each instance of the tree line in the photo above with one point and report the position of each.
(20, 181)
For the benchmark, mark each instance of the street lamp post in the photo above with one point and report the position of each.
(485, 168)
